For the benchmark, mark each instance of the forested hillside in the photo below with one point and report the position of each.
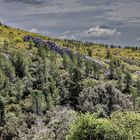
(90, 93)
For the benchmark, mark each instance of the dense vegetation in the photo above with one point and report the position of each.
(44, 95)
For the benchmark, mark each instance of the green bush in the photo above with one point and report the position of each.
(104, 99)
(121, 126)
(130, 121)
(18, 40)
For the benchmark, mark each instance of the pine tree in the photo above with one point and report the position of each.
(6, 44)
(119, 79)
(20, 63)
(51, 93)
(138, 86)
(75, 87)
(37, 101)
(96, 70)
(65, 61)
(2, 112)
(128, 81)
(112, 70)
(88, 69)
(108, 54)
(89, 52)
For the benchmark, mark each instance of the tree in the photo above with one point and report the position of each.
(7, 68)
(75, 87)
(6, 44)
(2, 79)
(38, 101)
(103, 99)
(65, 60)
(138, 86)
(58, 120)
(31, 44)
(111, 75)
(88, 69)
(134, 98)
(128, 81)
(119, 79)
(19, 61)
(96, 70)
(2, 112)
(52, 94)
(108, 54)
(89, 52)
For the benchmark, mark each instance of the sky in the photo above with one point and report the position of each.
(101, 21)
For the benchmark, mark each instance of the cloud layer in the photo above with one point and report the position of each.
(108, 21)
(27, 1)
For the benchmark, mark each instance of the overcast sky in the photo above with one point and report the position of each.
(101, 21)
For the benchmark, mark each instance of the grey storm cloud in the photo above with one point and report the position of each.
(103, 2)
(27, 1)
(105, 21)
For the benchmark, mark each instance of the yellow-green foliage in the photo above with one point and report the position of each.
(15, 36)
(130, 57)
(120, 126)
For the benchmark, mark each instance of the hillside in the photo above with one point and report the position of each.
(52, 89)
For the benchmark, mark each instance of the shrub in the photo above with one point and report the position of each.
(88, 126)
(104, 99)
(130, 121)
(18, 40)
(121, 126)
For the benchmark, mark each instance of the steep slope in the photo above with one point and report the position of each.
(44, 87)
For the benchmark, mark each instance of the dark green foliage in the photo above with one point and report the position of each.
(138, 86)
(88, 69)
(96, 71)
(89, 52)
(75, 87)
(20, 64)
(65, 61)
(2, 79)
(52, 94)
(112, 70)
(7, 68)
(108, 54)
(120, 79)
(128, 81)
(2, 112)
(37, 102)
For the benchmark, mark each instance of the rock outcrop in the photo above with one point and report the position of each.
(58, 49)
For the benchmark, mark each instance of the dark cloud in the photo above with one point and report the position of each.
(28, 1)
(103, 2)
(106, 21)
(96, 2)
